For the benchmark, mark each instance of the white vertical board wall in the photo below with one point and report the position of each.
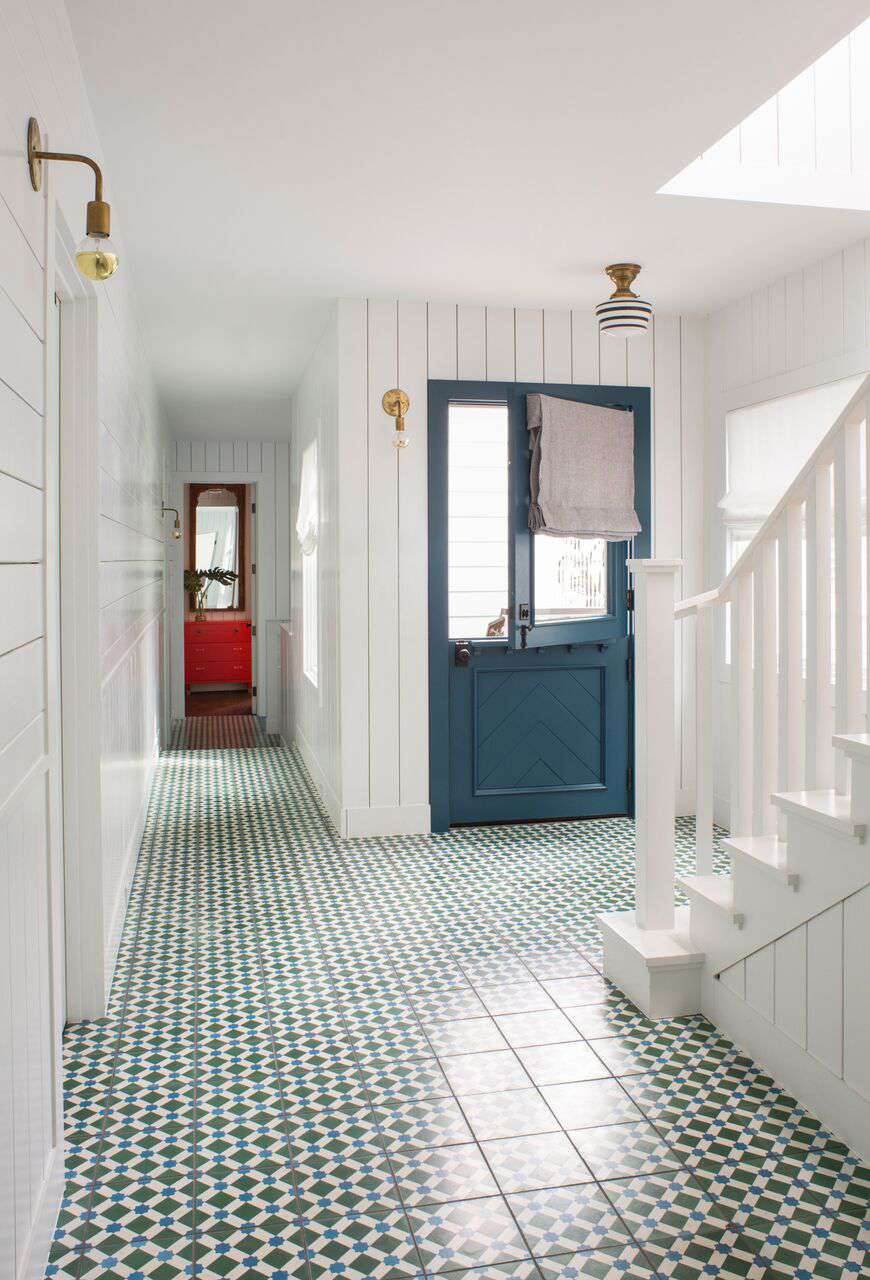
(383, 505)
(40, 75)
(805, 330)
(266, 464)
(811, 984)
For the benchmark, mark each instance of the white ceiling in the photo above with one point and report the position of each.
(269, 156)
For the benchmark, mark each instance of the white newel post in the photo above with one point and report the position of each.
(648, 952)
(654, 739)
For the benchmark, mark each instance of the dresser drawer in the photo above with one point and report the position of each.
(217, 632)
(220, 672)
(197, 651)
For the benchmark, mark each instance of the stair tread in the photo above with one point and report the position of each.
(854, 744)
(715, 889)
(829, 806)
(769, 851)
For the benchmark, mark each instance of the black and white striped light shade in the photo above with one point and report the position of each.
(624, 312)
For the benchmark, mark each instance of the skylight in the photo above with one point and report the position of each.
(807, 145)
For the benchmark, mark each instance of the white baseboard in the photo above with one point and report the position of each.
(35, 1257)
(387, 820)
(331, 802)
(722, 812)
(685, 802)
(838, 1106)
(119, 910)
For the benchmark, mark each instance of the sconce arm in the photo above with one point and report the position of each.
(76, 159)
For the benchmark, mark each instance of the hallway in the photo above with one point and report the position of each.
(394, 1057)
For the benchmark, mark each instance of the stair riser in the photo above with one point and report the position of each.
(829, 867)
(860, 790)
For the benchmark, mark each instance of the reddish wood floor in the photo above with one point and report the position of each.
(225, 702)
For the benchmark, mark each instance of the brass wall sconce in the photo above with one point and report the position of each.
(396, 404)
(96, 256)
(176, 528)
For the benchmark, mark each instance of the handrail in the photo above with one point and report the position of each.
(691, 606)
(694, 604)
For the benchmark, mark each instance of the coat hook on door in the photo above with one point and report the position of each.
(396, 404)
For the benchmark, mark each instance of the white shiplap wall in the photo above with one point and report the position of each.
(805, 330)
(810, 986)
(40, 75)
(383, 740)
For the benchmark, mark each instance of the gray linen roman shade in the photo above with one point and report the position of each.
(582, 471)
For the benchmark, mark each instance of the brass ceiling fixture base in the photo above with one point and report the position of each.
(622, 274)
(34, 145)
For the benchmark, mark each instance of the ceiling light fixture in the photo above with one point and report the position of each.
(623, 312)
(96, 256)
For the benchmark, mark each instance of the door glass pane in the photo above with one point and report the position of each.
(477, 535)
(570, 578)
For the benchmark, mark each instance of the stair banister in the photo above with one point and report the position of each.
(798, 726)
(655, 739)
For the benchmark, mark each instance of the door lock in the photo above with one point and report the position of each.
(462, 652)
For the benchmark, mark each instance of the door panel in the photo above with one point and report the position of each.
(540, 734)
(529, 637)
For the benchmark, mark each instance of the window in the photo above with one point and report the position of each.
(477, 536)
(570, 578)
(309, 616)
(307, 532)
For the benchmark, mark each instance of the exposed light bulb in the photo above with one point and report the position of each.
(176, 530)
(400, 440)
(97, 258)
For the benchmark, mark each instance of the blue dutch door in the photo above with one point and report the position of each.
(529, 635)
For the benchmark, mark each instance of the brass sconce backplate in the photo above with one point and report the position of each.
(34, 144)
(395, 403)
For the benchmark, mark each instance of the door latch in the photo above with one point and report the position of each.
(462, 652)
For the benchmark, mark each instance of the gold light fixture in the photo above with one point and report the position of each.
(176, 528)
(396, 404)
(624, 313)
(96, 256)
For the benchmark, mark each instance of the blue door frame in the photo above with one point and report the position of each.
(596, 656)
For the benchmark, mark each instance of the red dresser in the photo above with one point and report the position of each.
(217, 653)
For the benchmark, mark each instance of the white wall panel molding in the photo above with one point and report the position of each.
(837, 1104)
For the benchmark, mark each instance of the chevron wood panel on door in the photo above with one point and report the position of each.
(539, 729)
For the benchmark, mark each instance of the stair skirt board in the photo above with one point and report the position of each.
(844, 1111)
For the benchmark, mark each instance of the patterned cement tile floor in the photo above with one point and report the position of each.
(396, 1058)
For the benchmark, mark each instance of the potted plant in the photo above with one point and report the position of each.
(198, 581)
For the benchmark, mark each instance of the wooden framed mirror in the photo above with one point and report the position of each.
(216, 538)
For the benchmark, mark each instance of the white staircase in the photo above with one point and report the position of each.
(799, 751)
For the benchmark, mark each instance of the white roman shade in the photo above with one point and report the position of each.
(769, 443)
(307, 518)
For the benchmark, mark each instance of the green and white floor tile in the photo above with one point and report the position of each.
(396, 1058)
